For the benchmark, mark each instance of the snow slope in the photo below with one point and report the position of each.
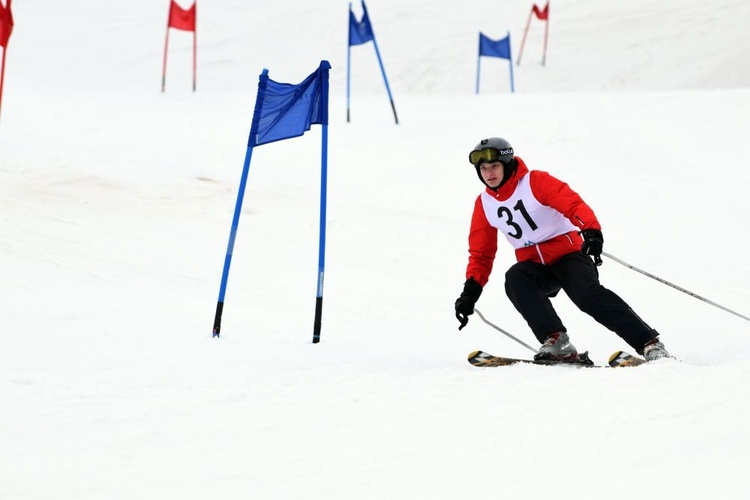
(115, 208)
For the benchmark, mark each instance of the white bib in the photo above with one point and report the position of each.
(522, 219)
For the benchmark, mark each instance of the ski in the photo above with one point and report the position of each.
(484, 359)
(620, 359)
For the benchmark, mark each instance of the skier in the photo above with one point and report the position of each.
(555, 234)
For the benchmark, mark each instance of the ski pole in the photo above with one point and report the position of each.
(660, 280)
(504, 332)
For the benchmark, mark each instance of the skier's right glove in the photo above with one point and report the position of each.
(593, 243)
(465, 303)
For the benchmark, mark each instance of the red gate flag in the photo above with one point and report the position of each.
(542, 14)
(6, 24)
(180, 18)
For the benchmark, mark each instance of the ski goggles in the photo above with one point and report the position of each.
(490, 155)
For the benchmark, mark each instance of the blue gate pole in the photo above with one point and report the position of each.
(230, 245)
(322, 242)
(385, 78)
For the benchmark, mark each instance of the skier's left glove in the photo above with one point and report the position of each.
(465, 303)
(593, 243)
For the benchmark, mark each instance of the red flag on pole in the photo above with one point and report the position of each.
(6, 27)
(180, 18)
(542, 14)
(6, 24)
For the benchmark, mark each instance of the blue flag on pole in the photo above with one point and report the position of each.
(284, 110)
(492, 48)
(360, 31)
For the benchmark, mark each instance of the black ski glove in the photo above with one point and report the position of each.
(465, 303)
(593, 242)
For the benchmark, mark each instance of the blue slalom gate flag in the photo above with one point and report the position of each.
(284, 110)
(359, 31)
(494, 48)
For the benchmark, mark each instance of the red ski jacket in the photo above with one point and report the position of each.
(551, 197)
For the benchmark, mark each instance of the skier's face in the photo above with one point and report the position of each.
(492, 173)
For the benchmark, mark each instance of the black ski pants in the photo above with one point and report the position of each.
(530, 285)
